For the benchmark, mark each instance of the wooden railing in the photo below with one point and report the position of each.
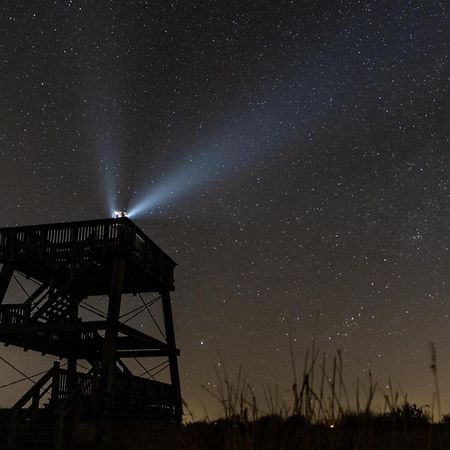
(68, 412)
(61, 388)
(39, 303)
(38, 391)
(61, 399)
(33, 398)
(85, 239)
(14, 314)
(64, 400)
(141, 395)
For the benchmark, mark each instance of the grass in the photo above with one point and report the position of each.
(325, 414)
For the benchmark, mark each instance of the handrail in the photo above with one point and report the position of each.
(61, 291)
(83, 379)
(80, 388)
(34, 394)
(71, 402)
(36, 294)
(35, 390)
(64, 406)
(142, 394)
(76, 232)
(14, 314)
(39, 236)
(66, 241)
(75, 224)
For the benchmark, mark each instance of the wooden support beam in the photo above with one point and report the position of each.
(112, 326)
(173, 363)
(72, 378)
(108, 364)
(139, 336)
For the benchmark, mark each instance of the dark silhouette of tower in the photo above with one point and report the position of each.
(67, 263)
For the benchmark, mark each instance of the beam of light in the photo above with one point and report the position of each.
(108, 178)
(103, 110)
(107, 142)
(106, 138)
(338, 76)
(250, 137)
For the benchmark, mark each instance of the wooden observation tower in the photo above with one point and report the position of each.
(67, 263)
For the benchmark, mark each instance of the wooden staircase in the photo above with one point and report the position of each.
(70, 262)
(44, 416)
(49, 304)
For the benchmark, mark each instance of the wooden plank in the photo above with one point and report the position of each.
(151, 341)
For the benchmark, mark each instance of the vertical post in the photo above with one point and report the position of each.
(72, 376)
(72, 383)
(112, 325)
(72, 380)
(55, 396)
(108, 364)
(173, 363)
(5, 278)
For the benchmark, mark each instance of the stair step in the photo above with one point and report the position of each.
(70, 291)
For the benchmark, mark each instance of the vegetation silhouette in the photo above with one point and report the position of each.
(324, 415)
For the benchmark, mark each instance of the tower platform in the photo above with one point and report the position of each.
(68, 263)
(43, 251)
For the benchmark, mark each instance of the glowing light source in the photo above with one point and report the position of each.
(120, 214)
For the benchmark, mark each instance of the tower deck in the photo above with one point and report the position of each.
(40, 250)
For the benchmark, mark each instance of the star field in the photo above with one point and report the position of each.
(300, 151)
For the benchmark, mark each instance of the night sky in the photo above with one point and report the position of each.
(292, 157)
